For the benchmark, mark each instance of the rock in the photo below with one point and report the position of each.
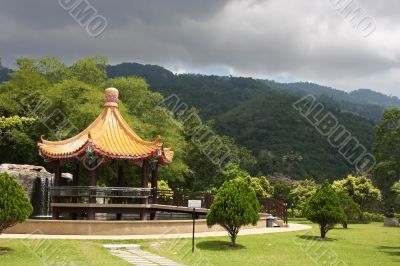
(389, 221)
(27, 174)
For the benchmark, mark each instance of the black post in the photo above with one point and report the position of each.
(194, 222)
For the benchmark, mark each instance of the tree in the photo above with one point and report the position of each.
(265, 184)
(324, 209)
(50, 67)
(301, 191)
(13, 121)
(360, 189)
(282, 193)
(292, 164)
(259, 184)
(15, 206)
(387, 153)
(349, 206)
(396, 190)
(233, 171)
(90, 70)
(234, 206)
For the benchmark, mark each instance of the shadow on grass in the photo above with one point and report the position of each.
(4, 250)
(392, 251)
(218, 245)
(316, 238)
(358, 222)
(345, 229)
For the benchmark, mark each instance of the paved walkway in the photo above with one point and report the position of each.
(257, 231)
(135, 256)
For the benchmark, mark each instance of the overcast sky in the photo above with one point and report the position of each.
(284, 40)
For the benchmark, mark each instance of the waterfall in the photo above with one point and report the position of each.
(41, 199)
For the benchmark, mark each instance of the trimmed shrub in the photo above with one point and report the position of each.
(14, 204)
(234, 205)
(295, 213)
(349, 206)
(373, 217)
(324, 209)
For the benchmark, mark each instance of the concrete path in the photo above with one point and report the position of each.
(135, 256)
(167, 235)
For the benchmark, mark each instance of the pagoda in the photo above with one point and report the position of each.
(108, 138)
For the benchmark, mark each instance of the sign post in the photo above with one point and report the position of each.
(194, 222)
(194, 204)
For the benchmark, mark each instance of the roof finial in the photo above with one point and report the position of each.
(111, 97)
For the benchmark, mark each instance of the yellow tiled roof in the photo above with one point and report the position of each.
(108, 136)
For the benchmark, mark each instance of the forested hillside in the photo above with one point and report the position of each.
(277, 129)
(259, 115)
(363, 102)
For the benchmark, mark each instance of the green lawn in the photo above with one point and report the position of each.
(361, 244)
(38, 252)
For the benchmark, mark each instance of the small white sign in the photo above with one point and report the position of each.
(194, 204)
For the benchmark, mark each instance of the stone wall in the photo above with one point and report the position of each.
(84, 227)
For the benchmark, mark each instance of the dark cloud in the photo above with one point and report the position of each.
(282, 39)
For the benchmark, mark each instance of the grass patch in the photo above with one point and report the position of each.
(361, 244)
(39, 252)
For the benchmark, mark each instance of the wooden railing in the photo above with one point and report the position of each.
(166, 197)
(85, 193)
(180, 198)
(274, 207)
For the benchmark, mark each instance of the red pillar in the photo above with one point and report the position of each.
(145, 181)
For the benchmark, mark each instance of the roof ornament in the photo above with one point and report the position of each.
(111, 97)
(155, 158)
(90, 155)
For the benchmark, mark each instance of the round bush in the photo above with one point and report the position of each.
(14, 204)
(235, 205)
(324, 209)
